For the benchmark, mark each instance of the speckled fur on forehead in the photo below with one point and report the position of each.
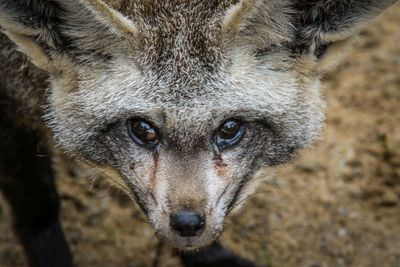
(153, 8)
(183, 38)
(178, 37)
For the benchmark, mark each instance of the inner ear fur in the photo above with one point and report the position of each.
(43, 29)
(322, 22)
(327, 28)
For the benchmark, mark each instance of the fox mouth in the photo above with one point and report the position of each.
(204, 239)
(190, 243)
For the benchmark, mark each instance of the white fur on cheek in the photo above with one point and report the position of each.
(216, 205)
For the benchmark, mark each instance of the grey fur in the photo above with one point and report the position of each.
(186, 66)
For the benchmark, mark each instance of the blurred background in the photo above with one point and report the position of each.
(338, 204)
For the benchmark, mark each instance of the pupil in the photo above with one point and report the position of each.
(142, 128)
(144, 131)
(229, 129)
(229, 133)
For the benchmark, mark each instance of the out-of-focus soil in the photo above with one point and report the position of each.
(338, 204)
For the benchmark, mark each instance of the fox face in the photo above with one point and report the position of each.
(188, 148)
(182, 103)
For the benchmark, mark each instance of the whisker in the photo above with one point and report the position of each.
(223, 192)
(143, 187)
(102, 197)
(229, 225)
(230, 184)
(120, 185)
(246, 198)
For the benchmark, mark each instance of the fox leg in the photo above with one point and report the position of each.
(27, 183)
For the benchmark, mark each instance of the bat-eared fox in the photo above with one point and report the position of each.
(180, 102)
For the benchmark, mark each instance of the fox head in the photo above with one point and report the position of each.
(182, 102)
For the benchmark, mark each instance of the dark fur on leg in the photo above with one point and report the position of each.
(214, 256)
(48, 248)
(27, 183)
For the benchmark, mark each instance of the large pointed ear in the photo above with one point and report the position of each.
(322, 23)
(45, 29)
(257, 24)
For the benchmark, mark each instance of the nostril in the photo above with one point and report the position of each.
(187, 223)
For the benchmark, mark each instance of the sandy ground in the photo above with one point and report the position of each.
(337, 205)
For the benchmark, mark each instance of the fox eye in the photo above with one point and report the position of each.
(143, 132)
(229, 133)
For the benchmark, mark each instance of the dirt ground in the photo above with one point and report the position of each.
(337, 205)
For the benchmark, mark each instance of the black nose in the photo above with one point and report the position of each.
(187, 223)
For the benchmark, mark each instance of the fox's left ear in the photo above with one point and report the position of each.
(45, 30)
(323, 24)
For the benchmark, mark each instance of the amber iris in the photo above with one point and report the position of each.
(143, 132)
(229, 133)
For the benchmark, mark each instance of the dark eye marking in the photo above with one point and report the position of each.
(143, 132)
(229, 133)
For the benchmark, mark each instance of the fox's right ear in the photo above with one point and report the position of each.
(325, 27)
(45, 29)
